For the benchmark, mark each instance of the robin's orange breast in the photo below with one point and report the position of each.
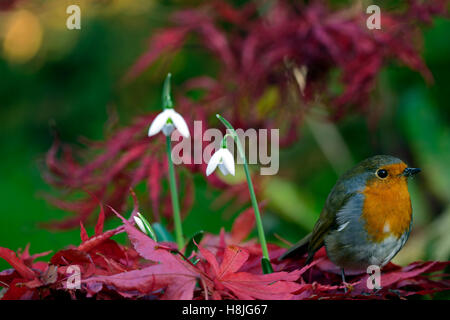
(387, 206)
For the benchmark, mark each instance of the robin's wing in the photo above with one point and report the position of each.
(327, 221)
(297, 249)
(322, 227)
(336, 201)
(313, 241)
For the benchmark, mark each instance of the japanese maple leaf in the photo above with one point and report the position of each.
(17, 263)
(241, 229)
(224, 280)
(406, 281)
(324, 280)
(171, 277)
(25, 276)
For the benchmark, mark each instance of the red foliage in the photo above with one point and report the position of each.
(257, 51)
(219, 270)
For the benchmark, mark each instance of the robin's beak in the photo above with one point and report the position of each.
(409, 172)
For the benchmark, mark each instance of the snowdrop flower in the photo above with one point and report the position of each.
(223, 159)
(167, 121)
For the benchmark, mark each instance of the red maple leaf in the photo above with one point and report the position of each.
(168, 276)
(25, 276)
(224, 280)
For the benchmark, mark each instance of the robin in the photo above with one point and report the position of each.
(366, 219)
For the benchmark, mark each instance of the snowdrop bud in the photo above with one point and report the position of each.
(145, 226)
(140, 224)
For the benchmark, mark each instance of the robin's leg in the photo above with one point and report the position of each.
(346, 285)
(343, 280)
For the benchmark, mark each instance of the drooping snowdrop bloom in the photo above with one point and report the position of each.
(223, 159)
(167, 121)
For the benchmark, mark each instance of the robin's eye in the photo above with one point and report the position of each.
(382, 174)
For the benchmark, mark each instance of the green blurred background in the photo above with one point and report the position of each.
(70, 80)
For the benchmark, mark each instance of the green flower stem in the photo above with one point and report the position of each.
(262, 238)
(224, 140)
(166, 99)
(174, 194)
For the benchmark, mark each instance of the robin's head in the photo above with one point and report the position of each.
(387, 205)
(381, 171)
(386, 170)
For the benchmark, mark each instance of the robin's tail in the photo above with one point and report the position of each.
(298, 249)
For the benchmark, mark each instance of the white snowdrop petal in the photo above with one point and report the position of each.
(158, 123)
(213, 163)
(228, 161)
(180, 124)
